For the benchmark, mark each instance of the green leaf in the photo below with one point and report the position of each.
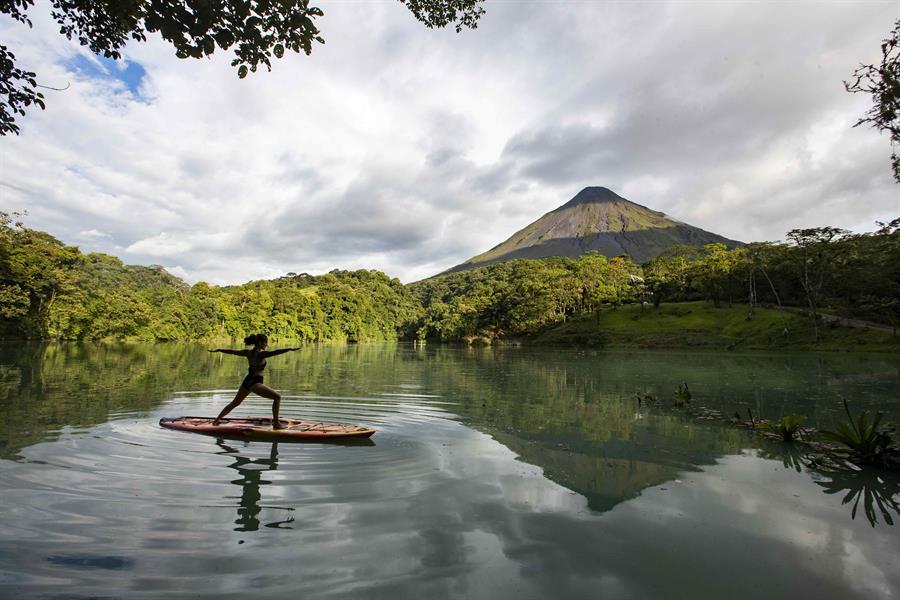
(242, 72)
(278, 50)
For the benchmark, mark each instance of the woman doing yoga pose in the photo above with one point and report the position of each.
(253, 382)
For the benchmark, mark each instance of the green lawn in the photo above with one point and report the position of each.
(700, 325)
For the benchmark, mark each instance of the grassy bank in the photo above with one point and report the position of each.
(700, 325)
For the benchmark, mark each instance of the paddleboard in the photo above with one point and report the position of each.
(260, 429)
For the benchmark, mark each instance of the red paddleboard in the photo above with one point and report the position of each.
(260, 429)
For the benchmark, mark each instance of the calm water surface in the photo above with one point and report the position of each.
(496, 473)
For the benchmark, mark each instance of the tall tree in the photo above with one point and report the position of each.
(668, 274)
(256, 29)
(815, 254)
(757, 256)
(712, 271)
(883, 83)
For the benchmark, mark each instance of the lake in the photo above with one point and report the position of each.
(495, 473)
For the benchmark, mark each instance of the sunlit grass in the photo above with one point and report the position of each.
(700, 325)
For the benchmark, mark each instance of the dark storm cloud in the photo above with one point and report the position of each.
(493, 179)
(706, 116)
(368, 217)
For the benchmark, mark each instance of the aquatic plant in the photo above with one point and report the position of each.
(865, 440)
(751, 423)
(682, 395)
(645, 398)
(787, 427)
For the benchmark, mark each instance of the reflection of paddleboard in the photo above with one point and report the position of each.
(260, 428)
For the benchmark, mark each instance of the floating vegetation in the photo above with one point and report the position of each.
(865, 441)
(646, 398)
(788, 428)
(844, 457)
(750, 423)
(682, 395)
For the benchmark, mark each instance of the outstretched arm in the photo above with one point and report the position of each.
(277, 352)
(227, 351)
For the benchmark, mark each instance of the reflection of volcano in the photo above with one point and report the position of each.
(612, 471)
(250, 482)
(576, 420)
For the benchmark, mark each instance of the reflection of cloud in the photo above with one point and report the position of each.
(432, 510)
(735, 530)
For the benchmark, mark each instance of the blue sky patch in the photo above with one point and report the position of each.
(130, 73)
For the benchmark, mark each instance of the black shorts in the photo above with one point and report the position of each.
(251, 380)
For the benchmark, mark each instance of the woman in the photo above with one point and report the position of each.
(253, 382)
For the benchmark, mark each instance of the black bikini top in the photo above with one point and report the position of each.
(255, 367)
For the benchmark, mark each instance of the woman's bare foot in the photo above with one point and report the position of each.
(277, 424)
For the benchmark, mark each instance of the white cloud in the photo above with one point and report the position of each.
(93, 234)
(159, 245)
(409, 150)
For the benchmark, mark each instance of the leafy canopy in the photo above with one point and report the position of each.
(257, 30)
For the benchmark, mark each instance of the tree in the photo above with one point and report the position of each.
(815, 256)
(35, 270)
(256, 29)
(757, 256)
(712, 271)
(667, 275)
(883, 83)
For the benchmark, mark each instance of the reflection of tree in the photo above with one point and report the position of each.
(875, 487)
(251, 480)
(50, 386)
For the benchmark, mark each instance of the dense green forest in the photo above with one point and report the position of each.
(818, 270)
(50, 290)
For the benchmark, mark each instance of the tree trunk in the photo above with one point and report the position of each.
(772, 287)
(751, 299)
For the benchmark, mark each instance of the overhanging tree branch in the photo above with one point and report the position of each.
(882, 82)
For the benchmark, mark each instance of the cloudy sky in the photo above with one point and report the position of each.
(409, 150)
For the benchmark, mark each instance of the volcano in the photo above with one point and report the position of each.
(597, 220)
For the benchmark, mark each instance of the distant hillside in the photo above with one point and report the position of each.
(597, 219)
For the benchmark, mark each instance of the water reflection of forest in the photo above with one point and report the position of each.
(603, 444)
(569, 412)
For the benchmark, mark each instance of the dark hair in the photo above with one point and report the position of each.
(255, 338)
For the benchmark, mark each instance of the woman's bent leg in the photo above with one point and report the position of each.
(238, 398)
(267, 392)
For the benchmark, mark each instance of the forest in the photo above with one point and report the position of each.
(49, 290)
